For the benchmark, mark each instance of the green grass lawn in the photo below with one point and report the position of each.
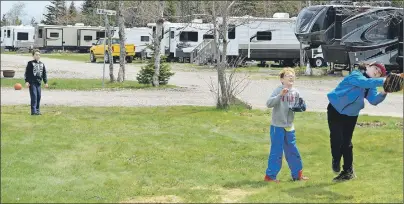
(184, 154)
(83, 84)
(80, 57)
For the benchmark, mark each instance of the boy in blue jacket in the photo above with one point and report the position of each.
(284, 101)
(346, 101)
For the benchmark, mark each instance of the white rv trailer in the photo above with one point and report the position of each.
(267, 39)
(59, 37)
(261, 39)
(15, 37)
(141, 37)
(180, 39)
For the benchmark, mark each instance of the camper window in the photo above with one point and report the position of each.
(264, 35)
(88, 38)
(8, 33)
(54, 35)
(40, 33)
(144, 38)
(172, 34)
(231, 32)
(378, 32)
(206, 36)
(189, 36)
(5, 33)
(100, 34)
(22, 36)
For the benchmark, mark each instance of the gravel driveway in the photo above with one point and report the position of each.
(194, 91)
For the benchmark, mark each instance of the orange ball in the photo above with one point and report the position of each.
(17, 86)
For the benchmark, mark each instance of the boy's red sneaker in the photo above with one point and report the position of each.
(267, 178)
(300, 177)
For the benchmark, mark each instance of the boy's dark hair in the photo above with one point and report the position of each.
(362, 66)
(34, 51)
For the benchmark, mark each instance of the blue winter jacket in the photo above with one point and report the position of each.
(348, 97)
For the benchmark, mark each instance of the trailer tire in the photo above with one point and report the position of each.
(92, 57)
(319, 62)
(115, 59)
(129, 59)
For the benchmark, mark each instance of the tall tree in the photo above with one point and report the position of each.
(170, 11)
(16, 13)
(157, 43)
(18, 21)
(33, 21)
(56, 13)
(122, 54)
(4, 20)
(72, 13)
(88, 9)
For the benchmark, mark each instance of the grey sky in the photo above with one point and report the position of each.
(34, 9)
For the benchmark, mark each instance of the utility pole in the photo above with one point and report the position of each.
(106, 13)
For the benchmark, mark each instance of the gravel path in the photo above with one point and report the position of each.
(194, 91)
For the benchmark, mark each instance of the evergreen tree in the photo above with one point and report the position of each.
(89, 6)
(33, 21)
(56, 12)
(72, 9)
(4, 20)
(170, 11)
(72, 13)
(88, 9)
(18, 21)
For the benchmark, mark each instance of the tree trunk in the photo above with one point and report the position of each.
(111, 61)
(157, 45)
(122, 54)
(224, 99)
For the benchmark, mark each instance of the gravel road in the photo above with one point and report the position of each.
(194, 88)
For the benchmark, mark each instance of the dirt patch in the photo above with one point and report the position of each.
(371, 124)
(234, 195)
(155, 199)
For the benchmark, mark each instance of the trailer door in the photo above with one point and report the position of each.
(87, 37)
(54, 37)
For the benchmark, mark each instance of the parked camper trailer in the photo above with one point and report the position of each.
(180, 39)
(262, 39)
(15, 37)
(58, 37)
(349, 35)
(141, 37)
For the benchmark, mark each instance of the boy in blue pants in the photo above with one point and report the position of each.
(35, 72)
(282, 131)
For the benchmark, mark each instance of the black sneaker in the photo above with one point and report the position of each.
(345, 176)
(336, 166)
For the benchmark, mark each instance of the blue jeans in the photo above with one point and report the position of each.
(282, 140)
(35, 93)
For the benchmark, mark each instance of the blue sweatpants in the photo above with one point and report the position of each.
(282, 140)
(35, 93)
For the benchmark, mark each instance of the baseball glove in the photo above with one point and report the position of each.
(393, 83)
(300, 106)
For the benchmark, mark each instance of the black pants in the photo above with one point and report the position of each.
(35, 93)
(341, 131)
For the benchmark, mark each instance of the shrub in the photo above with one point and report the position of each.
(145, 76)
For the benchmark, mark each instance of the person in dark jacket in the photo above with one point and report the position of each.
(346, 101)
(35, 72)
